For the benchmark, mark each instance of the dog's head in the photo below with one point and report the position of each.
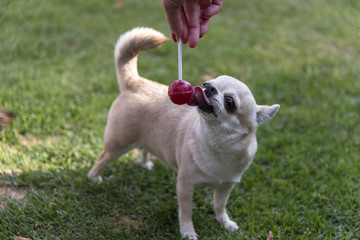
(232, 105)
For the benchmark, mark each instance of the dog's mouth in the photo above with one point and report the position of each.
(199, 98)
(207, 109)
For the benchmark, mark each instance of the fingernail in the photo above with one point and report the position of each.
(193, 46)
(206, 17)
(173, 37)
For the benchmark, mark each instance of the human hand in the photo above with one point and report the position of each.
(189, 19)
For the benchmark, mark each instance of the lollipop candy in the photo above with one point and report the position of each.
(181, 91)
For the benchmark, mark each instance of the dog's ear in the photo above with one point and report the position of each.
(265, 113)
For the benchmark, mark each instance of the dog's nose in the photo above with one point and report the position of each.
(210, 91)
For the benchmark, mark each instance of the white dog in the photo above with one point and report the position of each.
(211, 144)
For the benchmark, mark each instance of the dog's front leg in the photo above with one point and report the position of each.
(185, 191)
(221, 195)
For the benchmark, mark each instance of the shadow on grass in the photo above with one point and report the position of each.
(131, 203)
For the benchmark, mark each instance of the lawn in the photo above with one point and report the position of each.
(57, 74)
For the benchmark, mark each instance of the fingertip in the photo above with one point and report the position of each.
(185, 36)
(193, 38)
(193, 45)
(173, 36)
(193, 41)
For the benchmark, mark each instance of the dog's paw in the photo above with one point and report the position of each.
(95, 179)
(227, 223)
(190, 236)
(230, 226)
(147, 165)
(187, 231)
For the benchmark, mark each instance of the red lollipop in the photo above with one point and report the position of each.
(180, 92)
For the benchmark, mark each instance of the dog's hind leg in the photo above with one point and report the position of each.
(106, 156)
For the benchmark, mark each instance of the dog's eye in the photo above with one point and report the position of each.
(206, 84)
(229, 104)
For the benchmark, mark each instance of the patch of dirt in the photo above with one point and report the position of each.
(119, 5)
(29, 141)
(129, 222)
(124, 222)
(21, 238)
(9, 192)
(5, 118)
(269, 237)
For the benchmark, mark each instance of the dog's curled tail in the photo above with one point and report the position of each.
(127, 49)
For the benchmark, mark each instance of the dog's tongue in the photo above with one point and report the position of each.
(181, 92)
(198, 98)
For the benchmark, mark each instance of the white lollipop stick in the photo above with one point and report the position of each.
(180, 59)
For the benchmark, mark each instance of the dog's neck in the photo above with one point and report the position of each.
(224, 155)
(220, 135)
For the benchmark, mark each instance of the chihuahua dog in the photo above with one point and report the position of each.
(211, 144)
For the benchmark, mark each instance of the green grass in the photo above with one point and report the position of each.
(57, 73)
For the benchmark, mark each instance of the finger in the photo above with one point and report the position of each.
(204, 25)
(173, 16)
(213, 9)
(185, 31)
(191, 9)
(204, 4)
